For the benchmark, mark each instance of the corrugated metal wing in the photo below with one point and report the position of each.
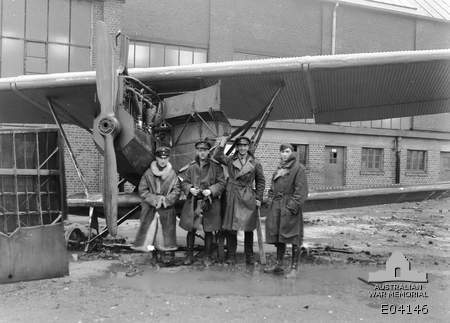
(382, 91)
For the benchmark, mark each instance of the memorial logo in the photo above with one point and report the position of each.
(400, 289)
(398, 269)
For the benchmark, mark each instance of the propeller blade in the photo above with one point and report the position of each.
(105, 70)
(110, 189)
(123, 58)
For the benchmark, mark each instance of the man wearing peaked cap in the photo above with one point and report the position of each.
(202, 144)
(243, 194)
(203, 183)
(159, 189)
(162, 152)
(242, 140)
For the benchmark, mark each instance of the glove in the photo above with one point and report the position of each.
(164, 202)
(222, 141)
(159, 202)
(194, 191)
(206, 192)
(258, 203)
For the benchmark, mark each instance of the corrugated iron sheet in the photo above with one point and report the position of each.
(31, 253)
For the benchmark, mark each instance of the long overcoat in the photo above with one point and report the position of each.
(288, 192)
(207, 176)
(245, 185)
(154, 184)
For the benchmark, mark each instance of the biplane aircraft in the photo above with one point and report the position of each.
(130, 112)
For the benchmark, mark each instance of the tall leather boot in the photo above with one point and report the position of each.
(232, 247)
(208, 248)
(294, 262)
(248, 248)
(278, 267)
(190, 240)
(220, 246)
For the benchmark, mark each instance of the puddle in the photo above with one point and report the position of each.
(220, 281)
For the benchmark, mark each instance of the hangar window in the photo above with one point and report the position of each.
(45, 36)
(416, 160)
(372, 159)
(146, 54)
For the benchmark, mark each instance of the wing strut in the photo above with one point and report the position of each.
(69, 147)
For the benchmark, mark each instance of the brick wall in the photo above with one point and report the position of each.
(364, 31)
(89, 159)
(182, 22)
(268, 154)
(278, 28)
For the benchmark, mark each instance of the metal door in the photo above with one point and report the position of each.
(334, 166)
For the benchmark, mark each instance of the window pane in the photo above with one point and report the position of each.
(13, 18)
(79, 59)
(422, 160)
(376, 123)
(58, 58)
(386, 123)
(58, 21)
(171, 56)
(35, 65)
(200, 57)
(35, 50)
(80, 23)
(12, 57)
(142, 53)
(185, 57)
(406, 123)
(408, 160)
(36, 28)
(131, 55)
(156, 55)
(396, 123)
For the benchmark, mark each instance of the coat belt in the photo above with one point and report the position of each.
(238, 183)
(279, 196)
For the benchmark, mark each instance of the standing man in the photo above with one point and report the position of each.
(160, 189)
(203, 183)
(284, 223)
(242, 199)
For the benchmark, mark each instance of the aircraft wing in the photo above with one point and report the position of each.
(328, 88)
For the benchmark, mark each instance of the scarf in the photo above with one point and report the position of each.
(163, 173)
(283, 168)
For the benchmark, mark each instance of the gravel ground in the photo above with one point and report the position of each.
(344, 245)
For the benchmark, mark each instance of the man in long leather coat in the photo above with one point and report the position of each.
(203, 183)
(159, 189)
(242, 199)
(284, 223)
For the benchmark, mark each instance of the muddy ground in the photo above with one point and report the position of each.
(113, 285)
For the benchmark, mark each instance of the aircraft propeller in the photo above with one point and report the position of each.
(106, 124)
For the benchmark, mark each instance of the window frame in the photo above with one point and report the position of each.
(297, 154)
(165, 47)
(365, 169)
(410, 163)
(46, 42)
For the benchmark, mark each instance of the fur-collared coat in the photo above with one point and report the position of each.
(245, 185)
(209, 176)
(288, 192)
(156, 185)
